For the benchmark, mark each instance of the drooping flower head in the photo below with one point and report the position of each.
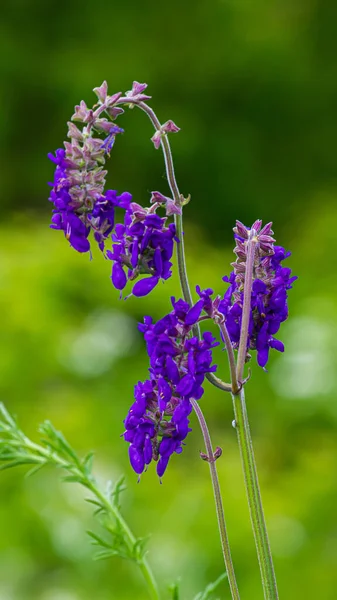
(271, 281)
(157, 422)
(143, 245)
(80, 203)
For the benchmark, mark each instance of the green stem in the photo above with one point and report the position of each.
(143, 564)
(254, 498)
(89, 483)
(218, 502)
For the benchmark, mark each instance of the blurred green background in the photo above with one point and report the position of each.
(253, 86)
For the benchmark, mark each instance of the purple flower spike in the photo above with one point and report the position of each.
(270, 287)
(80, 203)
(159, 417)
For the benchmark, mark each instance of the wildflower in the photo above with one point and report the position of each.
(136, 93)
(157, 422)
(271, 281)
(80, 203)
(168, 127)
(143, 245)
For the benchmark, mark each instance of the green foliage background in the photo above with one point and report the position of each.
(253, 86)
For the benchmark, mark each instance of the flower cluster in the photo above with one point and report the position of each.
(80, 204)
(269, 291)
(157, 422)
(143, 245)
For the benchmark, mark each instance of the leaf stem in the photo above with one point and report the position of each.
(218, 502)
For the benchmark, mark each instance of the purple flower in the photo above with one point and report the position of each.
(143, 245)
(157, 422)
(80, 203)
(136, 93)
(271, 283)
(168, 127)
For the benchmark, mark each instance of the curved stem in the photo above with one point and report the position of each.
(178, 220)
(254, 498)
(183, 277)
(218, 502)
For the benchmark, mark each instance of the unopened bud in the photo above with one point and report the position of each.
(101, 92)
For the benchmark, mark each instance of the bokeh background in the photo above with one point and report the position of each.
(253, 86)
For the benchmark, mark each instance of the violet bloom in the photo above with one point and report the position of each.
(271, 281)
(80, 203)
(157, 422)
(143, 245)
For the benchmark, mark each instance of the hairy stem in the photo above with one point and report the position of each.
(178, 219)
(254, 498)
(231, 358)
(247, 291)
(165, 144)
(218, 502)
(245, 441)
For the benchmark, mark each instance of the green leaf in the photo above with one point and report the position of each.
(139, 548)
(34, 470)
(72, 479)
(16, 449)
(8, 417)
(97, 540)
(104, 554)
(206, 594)
(18, 462)
(116, 491)
(95, 502)
(62, 444)
(87, 462)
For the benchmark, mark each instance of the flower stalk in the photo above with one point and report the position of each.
(218, 502)
(254, 497)
(251, 246)
(183, 277)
